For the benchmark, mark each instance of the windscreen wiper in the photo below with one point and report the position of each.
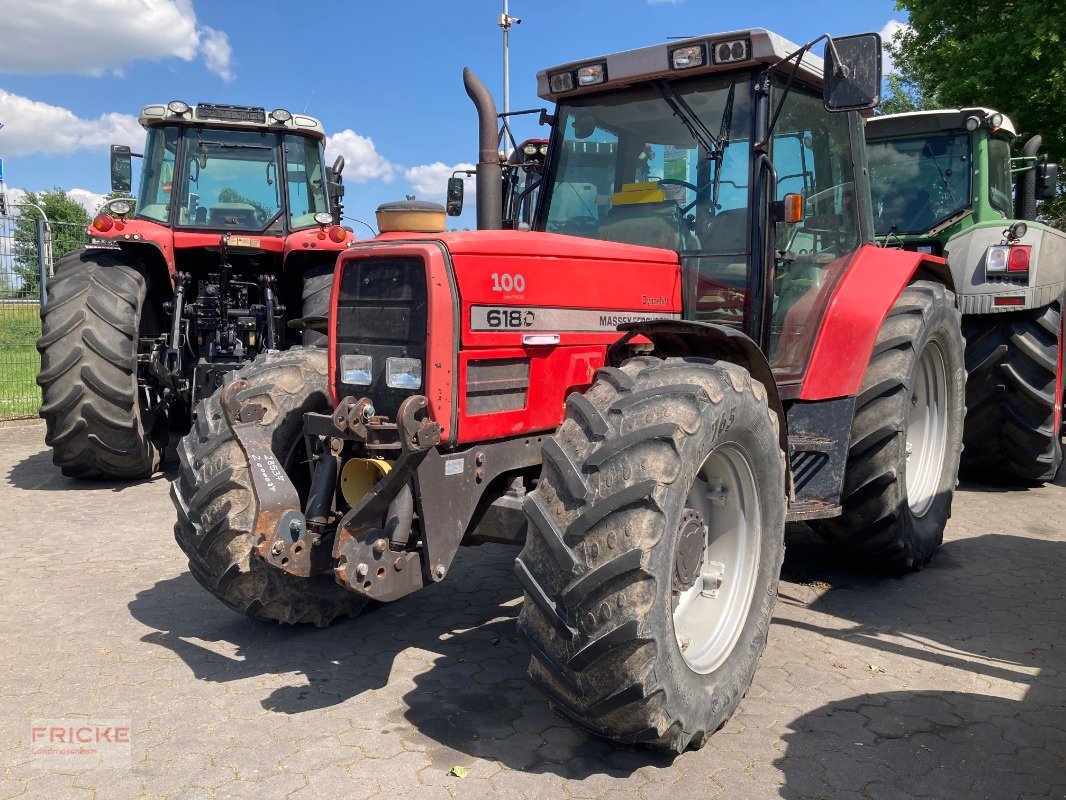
(689, 119)
(723, 143)
(943, 176)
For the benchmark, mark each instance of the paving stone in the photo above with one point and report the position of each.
(946, 683)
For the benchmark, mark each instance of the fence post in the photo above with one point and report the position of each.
(42, 262)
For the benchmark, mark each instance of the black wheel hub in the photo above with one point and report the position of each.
(691, 544)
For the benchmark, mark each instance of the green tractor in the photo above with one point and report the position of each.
(944, 182)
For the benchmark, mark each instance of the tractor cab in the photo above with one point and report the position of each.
(728, 151)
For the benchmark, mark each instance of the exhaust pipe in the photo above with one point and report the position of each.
(1025, 194)
(489, 171)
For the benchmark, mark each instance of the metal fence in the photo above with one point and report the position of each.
(28, 251)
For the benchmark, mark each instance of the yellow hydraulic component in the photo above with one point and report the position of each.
(359, 476)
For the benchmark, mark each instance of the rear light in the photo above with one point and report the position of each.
(688, 57)
(103, 223)
(403, 373)
(357, 370)
(338, 234)
(1013, 300)
(1001, 259)
(1018, 261)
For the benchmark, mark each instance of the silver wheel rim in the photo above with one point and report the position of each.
(709, 617)
(927, 430)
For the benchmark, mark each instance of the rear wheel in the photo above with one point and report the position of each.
(317, 285)
(100, 422)
(903, 456)
(215, 504)
(654, 543)
(1012, 393)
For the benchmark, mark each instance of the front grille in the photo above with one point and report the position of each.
(381, 312)
(496, 385)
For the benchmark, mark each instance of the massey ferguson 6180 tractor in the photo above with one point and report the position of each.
(944, 182)
(233, 234)
(696, 342)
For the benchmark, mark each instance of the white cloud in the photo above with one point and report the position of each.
(888, 32)
(90, 201)
(430, 181)
(31, 126)
(217, 52)
(362, 161)
(93, 37)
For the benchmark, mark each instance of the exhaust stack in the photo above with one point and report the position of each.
(1025, 194)
(489, 171)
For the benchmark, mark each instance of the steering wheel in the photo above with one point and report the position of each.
(687, 185)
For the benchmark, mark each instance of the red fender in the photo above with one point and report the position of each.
(866, 293)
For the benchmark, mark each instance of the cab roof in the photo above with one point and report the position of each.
(217, 115)
(632, 67)
(941, 119)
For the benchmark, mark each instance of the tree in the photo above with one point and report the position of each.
(68, 220)
(1004, 54)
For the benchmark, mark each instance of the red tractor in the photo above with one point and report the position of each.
(233, 235)
(695, 343)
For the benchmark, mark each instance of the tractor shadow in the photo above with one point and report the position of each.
(451, 652)
(445, 666)
(37, 473)
(985, 621)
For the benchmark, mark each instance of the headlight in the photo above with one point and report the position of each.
(177, 107)
(561, 82)
(324, 218)
(996, 120)
(280, 115)
(688, 57)
(403, 373)
(530, 149)
(120, 207)
(591, 75)
(358, 370)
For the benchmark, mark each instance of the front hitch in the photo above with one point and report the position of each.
(279, 528)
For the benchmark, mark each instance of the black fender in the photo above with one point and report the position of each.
(677, 338)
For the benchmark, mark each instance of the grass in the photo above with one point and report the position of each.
(20, 326)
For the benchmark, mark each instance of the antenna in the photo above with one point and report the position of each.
(505, 22)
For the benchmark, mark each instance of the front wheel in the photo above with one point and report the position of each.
(215, 503)
(903, 455)
(654, 543)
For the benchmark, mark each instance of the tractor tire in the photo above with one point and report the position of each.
(903, 456)
(98, 423)
(1011, 396)
(317, 285)
(215, 502)
(645, 614)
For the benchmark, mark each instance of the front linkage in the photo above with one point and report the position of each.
(373, 549)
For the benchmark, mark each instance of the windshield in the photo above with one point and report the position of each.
(637, 166)
(306, 183)
(231, 180)
(919, 182)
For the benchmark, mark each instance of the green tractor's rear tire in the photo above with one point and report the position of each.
(903, 456)
(215, 503)
(655, 538)
(1011, 395)
(99, 421)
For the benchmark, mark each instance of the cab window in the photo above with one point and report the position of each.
(812, 153)
(999, 182)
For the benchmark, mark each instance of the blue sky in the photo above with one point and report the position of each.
(385, 78)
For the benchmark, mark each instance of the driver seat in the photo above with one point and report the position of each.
(649, 224)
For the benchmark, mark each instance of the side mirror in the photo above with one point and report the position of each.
(121, 168)
(851, 80)
(1047, 181)
(455, 197)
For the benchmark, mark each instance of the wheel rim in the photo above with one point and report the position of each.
(927, 430)
(709, 616)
